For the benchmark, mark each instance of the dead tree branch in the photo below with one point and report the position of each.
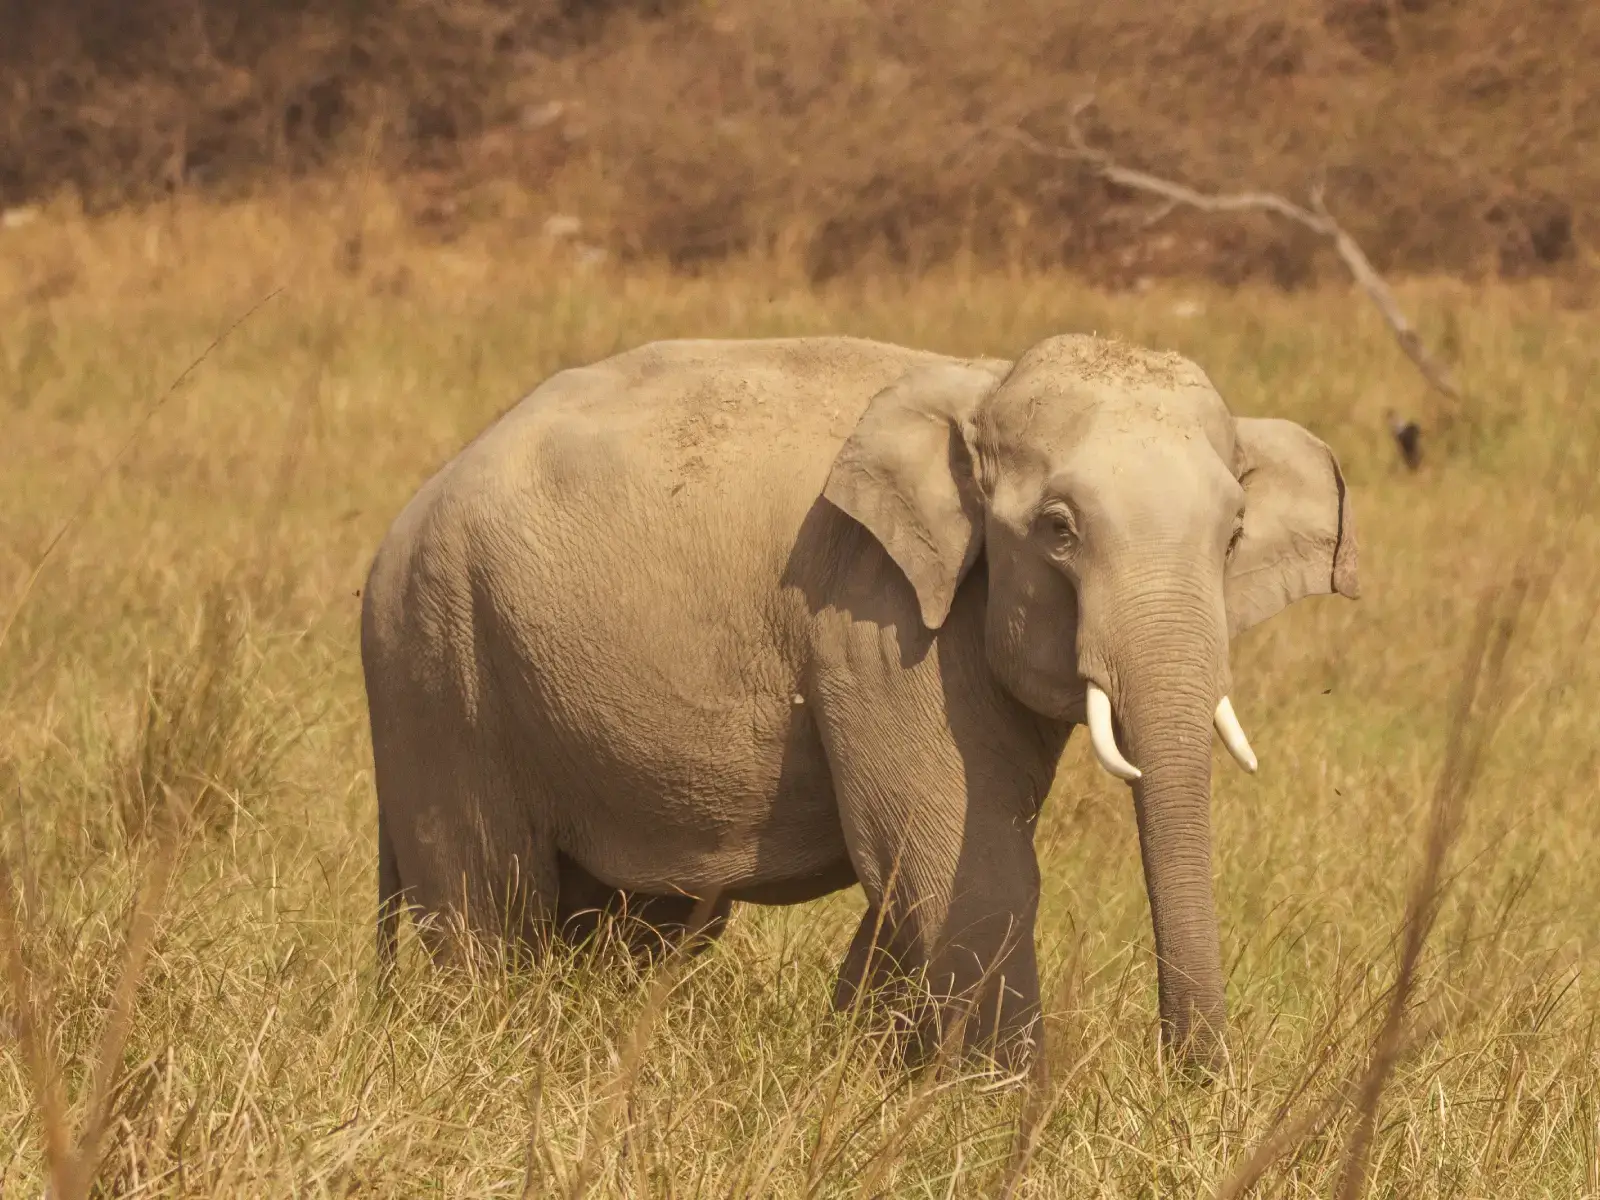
(1316, 218)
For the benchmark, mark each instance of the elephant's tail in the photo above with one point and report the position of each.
(389, 900)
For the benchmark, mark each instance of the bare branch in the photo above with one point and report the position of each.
(1316, 218)
(1158, 215)
(1372, 283)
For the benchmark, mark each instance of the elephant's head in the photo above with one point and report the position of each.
(1130, 527)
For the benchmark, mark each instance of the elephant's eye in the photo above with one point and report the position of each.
(1238, 535)
(1057, 521)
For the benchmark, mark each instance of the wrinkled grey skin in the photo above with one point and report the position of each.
(776, 617)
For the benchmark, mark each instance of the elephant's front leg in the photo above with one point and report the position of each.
(984, 977)
(874, 978)
(939, 824)
(984, 982)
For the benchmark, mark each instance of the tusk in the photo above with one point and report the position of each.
(1098, 708)
(1233, 738)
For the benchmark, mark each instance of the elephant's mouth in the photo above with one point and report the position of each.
(1097, 708)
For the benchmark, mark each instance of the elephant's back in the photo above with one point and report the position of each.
(682, 463)
(641, 513)
(641, 453)
(703, 421)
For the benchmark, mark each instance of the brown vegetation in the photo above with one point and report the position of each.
(1454, 138)
(1407, 887)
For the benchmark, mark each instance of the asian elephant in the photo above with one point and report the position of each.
(770, 618)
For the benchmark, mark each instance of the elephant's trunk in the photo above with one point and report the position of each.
(1164, 665)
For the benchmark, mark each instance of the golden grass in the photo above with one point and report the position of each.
(193, 642)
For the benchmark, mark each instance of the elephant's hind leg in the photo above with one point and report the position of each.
(665, 922)
(463, 839)
(650, 926)
(390, 902)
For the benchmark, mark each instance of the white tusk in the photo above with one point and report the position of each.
(1098, 707)
(1233, 738)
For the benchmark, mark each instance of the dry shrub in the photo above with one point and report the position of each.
(127, 100)
(1454, 138)
(872, 124)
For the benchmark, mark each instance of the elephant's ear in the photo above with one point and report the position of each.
(1299, 536)
(906, 474)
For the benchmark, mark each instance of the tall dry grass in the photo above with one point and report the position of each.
(1407, 888)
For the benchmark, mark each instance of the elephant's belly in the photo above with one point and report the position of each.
(659, 707)
(800, 889)
(785, 851)
(698, 799)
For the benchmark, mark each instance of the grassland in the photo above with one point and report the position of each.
(194, 635)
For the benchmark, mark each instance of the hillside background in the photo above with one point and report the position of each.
(1454, 136)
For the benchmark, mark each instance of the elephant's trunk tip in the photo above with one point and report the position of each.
(1232, 734)
(1098, 709)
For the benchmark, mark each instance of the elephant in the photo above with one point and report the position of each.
(766, 619)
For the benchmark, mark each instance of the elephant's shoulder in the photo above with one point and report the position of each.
(699, 421)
